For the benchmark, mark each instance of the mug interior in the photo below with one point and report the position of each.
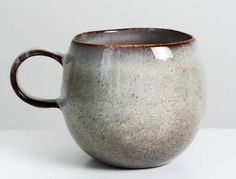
(133, 37)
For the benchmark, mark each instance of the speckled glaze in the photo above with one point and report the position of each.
(133, 102)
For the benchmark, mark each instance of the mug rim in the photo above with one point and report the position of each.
(185, 38)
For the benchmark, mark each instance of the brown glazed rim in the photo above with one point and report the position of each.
(173, 44)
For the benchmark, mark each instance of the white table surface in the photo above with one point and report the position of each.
(53, 154)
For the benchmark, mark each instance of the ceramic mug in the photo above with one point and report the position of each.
(131, 98)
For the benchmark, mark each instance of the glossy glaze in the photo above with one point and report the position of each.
(132, 98)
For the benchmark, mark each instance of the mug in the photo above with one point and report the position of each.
(131, 98)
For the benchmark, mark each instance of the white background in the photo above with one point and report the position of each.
(51, 24)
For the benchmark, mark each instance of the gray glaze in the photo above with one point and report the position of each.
(126, 108)
(133, 98)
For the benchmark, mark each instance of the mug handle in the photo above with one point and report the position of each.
(43, 103)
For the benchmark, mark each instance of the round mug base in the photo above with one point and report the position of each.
(129, 167)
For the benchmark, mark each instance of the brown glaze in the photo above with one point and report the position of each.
(147, 37)
(14, 82)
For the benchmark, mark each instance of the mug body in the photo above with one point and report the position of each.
(133, 98)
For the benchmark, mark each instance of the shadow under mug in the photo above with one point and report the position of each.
(131, 98)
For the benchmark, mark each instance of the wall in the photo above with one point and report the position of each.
(52, 24)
